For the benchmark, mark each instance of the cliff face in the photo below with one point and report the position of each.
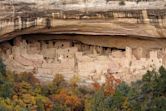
(85, 37)
(94, 17)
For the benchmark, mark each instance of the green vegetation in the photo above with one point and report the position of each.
(23, 92)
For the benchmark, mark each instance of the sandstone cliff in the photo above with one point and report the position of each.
(85, 37)
(92, 17)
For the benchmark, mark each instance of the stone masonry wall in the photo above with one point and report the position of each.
(67, 57)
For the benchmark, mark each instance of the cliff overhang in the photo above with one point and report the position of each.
(138, 20)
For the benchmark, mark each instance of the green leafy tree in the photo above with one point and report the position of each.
(2, 72)
(98, 101)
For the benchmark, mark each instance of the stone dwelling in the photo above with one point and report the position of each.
(67, 57)
(88, 38)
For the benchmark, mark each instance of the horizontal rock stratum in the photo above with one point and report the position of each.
(89, 38)
(92, 17)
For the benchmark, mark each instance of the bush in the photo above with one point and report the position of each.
(6, 90)
(26, 77)
(2, 72)
(97, 101)
(58, 80)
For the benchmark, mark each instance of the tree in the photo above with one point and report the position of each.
(66, 99)
(6, 90)
(6, 85)
(111, 84)
(2, 71)
(26, 77)
(98, 100)
(74, 81)
(58, 80)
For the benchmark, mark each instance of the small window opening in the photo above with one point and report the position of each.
(53, 43)
(46, 42)
(72, 44)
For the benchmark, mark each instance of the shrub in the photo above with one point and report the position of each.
(26, 77)
(67, 99)
(2, 71)
(6, 90)
(75, 80)
(58, 80)
(5, 105)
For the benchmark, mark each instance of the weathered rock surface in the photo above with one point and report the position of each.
(142, 19)
(85, 37)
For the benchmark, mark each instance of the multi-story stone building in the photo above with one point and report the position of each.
(89, 38)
